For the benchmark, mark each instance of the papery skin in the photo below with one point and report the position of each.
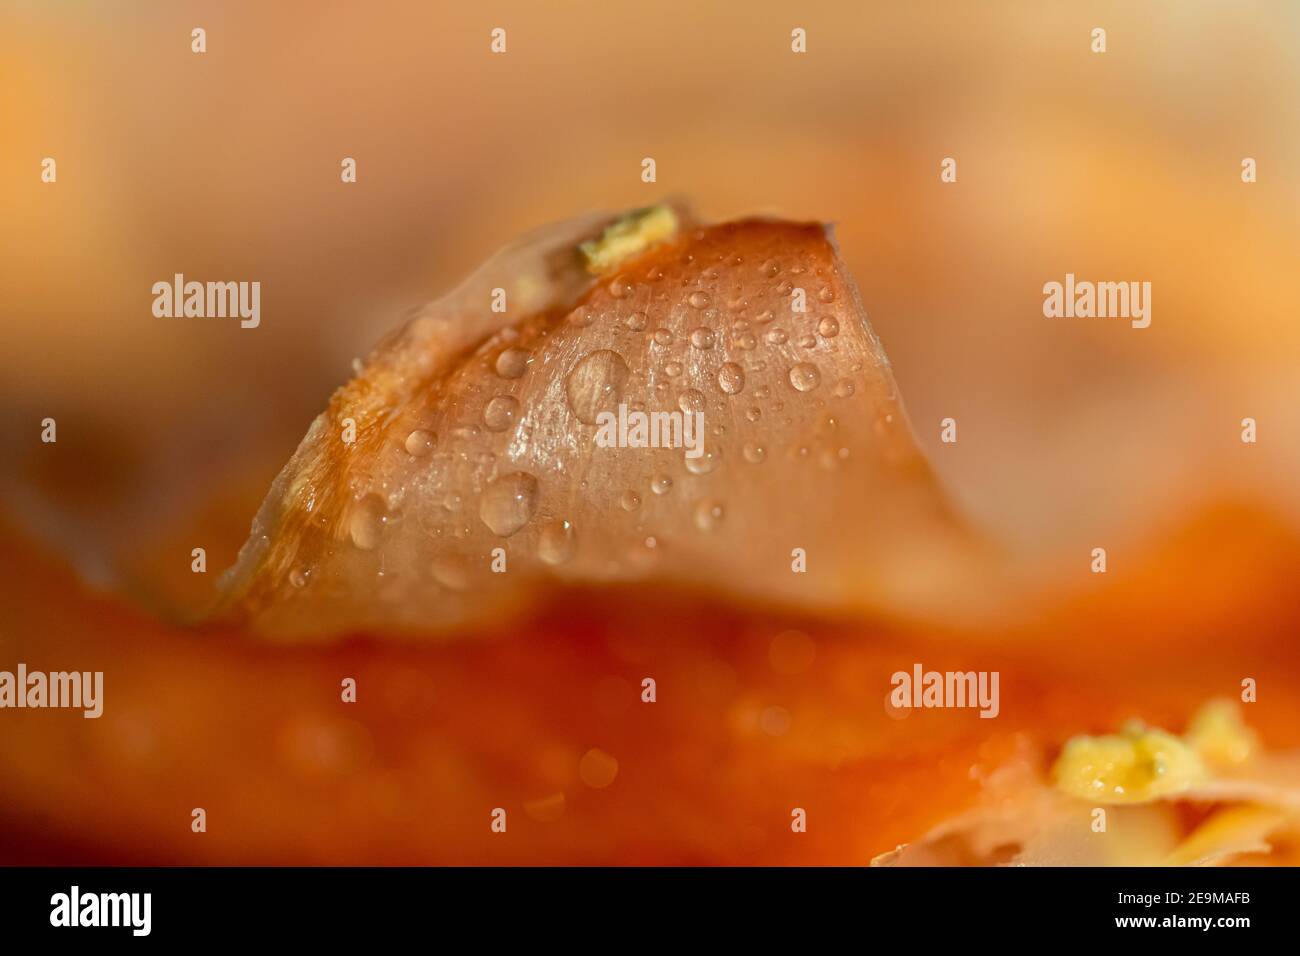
(808, 447)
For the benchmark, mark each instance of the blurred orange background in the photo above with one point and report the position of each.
(225, 166)
(1123, 166)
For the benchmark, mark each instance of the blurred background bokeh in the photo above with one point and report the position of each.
(1116, 166)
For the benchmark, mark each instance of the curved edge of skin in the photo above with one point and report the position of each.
(539, 271)
(542, 276)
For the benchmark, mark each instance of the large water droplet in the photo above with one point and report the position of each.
(703, 338)
(805, 376)
(691, 400)
(705, 463)
(661, 485)
(508, 503)
(698, 300)
(557, 542)
(500, 413)
(731, 378)
(420, 442)
(596, 384)
(828, 327)
(708, 515)
(451, 572)
(513, 362)
(366, 523)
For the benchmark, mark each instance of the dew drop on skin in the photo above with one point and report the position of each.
(731, 378)
(596, 384)
(420, 443)
(500, 413)
(513, 362)
(557, 542)
(508, 503)
(805, 377)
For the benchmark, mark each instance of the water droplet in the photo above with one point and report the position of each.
(420, 442)
(775, 721)
(508, 503)
(663, 337)
(620, 287)
(708, 515)
(451, 572)
(705, 463)
(452, 502)
(597, 769)
(746, 341)
(826, 295)
(673, 369)
(754, 453)
(698, 300)
(661, 485)
(630, 501)
(596, 384)
(500, 413)
(703, 338)
(691, 400)
(767, 315)
(753, 414)
(785, 288)
(299, 577)
(828, 327)
(557, 542)
(777, 337)
(807, 341)
(843, 388)
(731, 378)
(635, 322)
(770, 268)
(367, 521)
(805, 377)
(513, 362)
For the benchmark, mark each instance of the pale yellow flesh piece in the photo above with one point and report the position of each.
(1110, 807)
